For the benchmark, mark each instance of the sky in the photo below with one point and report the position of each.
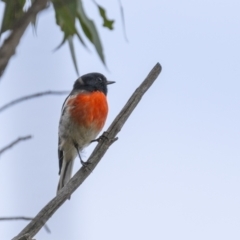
(174, 172)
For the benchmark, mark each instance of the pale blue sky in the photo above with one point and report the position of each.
(174, 172)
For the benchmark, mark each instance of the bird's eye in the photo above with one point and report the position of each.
(99, 79)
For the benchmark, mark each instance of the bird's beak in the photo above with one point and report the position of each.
(110, 82)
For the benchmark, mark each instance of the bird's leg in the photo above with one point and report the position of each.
(85, 164)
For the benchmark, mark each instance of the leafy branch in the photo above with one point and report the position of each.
(68, 14)
(17, 26)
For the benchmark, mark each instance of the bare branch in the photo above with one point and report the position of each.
(26, 237)
(23, 218)
(40, 94)
(36, 224)
(14, 143)
(9, 46)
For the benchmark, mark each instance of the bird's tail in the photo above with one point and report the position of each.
(65, 175)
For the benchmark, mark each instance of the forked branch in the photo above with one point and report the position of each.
(22, 218)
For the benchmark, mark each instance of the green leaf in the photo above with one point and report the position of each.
(61, 43)
(90, 30)
(106, 22)
(71, 46)
(123, 19)
(34, 21)
(65, 11)
(66, 15)
(12, 12)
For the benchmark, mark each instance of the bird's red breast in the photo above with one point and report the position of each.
(89, 109)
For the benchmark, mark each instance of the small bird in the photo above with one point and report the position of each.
(84, 113)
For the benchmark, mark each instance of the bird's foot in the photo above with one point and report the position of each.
(85, 164)
(104, 136)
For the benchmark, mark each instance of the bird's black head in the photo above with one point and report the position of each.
(92, 82)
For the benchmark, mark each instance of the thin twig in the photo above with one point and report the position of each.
(9, 46)
(40, 94)
(23, 218)
(36, 224)
(14, 143)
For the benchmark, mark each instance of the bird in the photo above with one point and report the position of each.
(83, 116)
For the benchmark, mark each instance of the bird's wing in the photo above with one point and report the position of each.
(60, 152)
